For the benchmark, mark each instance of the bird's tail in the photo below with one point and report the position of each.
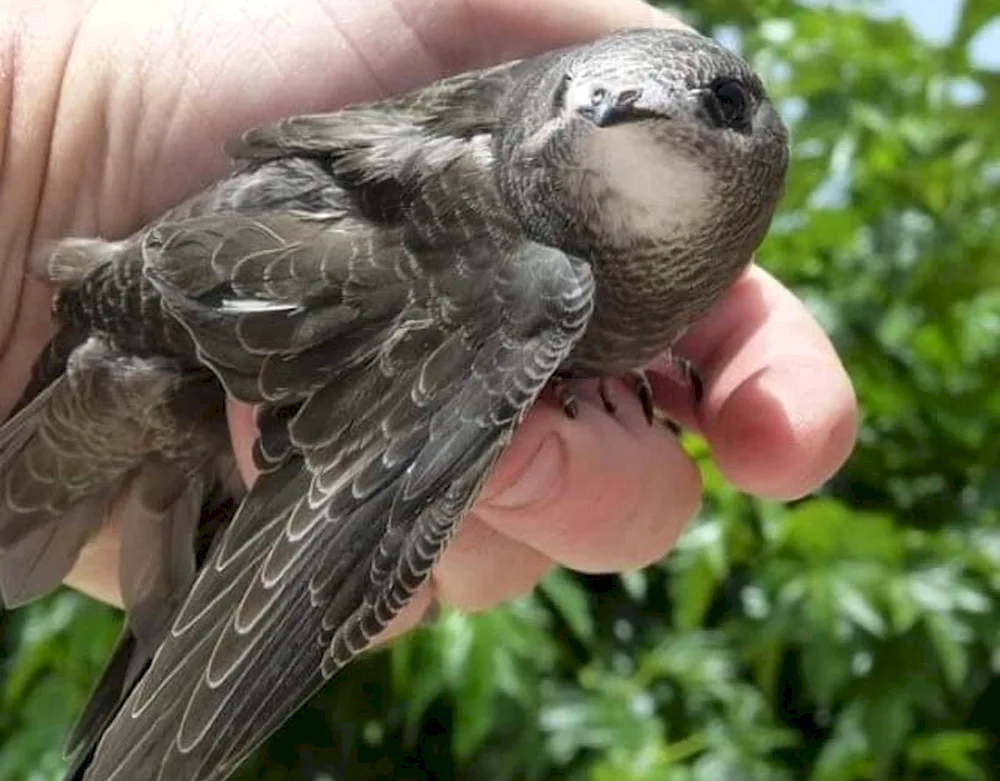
(36, 549)
(93, 422)
(110, 426)
(66, 262)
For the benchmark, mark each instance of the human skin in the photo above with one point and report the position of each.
(112, 111)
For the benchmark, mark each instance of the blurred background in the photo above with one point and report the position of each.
(853, 635)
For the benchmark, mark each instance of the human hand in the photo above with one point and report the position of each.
(128, 109)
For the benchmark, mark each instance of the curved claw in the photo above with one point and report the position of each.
(689, 375)
(566, 397)
(644, 391)
(609, 405)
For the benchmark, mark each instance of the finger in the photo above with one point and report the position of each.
(480, 569)
(415, 611)
(483, 567)
(498, 30)
(95, 572)
(779, 411)
(598, 493)
(242, 434)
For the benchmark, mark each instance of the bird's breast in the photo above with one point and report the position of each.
(644, 302)
(660, 239)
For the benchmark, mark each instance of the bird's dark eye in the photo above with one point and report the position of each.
(728, 104)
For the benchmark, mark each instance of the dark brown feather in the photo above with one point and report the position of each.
(292, 594)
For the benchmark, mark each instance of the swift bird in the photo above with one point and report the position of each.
(393, 284)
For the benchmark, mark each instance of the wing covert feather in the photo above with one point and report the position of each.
(369, 462)
(371, 141)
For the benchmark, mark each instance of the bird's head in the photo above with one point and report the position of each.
(654, 137)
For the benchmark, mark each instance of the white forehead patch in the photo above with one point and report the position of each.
(653, 191)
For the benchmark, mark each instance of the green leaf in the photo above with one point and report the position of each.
(949, 638)
(692, 588)
(822, 530)
(571, 602)
(975, 14)
(477, 689)
(958, 753)
(858, 609)
(890, 718)
(847, 753)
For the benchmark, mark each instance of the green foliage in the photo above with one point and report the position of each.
(49, 657)
(850, 636)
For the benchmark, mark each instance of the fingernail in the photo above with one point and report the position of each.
(540, 481)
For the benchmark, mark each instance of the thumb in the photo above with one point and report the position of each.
(242, 434)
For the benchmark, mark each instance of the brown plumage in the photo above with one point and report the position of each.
(394, 284)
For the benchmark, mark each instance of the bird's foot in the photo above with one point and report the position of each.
(642, 389)
(602, 388)
(686, 373)
(564, 394)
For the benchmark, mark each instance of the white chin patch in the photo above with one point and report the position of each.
(649, 190)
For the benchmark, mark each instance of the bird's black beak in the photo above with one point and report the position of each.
(620, 106)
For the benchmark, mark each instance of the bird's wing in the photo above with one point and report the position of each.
(147, 622)
(394, 367)
(35, 551)
(78, 443)
(384, 132)
(378, 151)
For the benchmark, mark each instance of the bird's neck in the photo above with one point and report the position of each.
(645, 300)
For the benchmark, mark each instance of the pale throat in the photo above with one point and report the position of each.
(643, 187)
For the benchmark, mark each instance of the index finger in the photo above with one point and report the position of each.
(779, 410)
